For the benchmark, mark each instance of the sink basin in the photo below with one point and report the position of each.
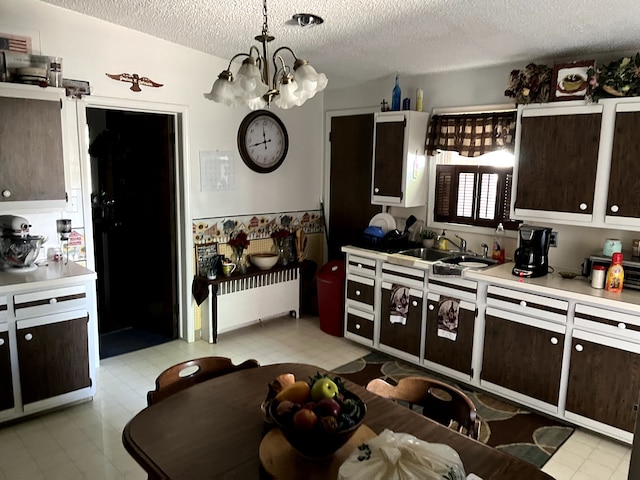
(428, 254)
(469, 261)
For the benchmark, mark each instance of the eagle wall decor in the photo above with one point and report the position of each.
(135, 80)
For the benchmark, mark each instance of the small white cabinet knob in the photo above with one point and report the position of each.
(376, 190)
(414, 303)
(622, 325)
(523, 303)
(357, 293)
(53, 301)
(615, 208)
(431, 307)
(579, 348)
(359, 265)
(1, 341)
(554, 341)
(6, 193)
(583, 206)
(28, 337)
(357, 326)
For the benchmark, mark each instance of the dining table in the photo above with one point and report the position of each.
(214, 430)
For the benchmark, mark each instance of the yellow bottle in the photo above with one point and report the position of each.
(615, 274)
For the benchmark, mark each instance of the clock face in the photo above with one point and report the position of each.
(262, 141)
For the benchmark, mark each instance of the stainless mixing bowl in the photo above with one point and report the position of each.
(20, 252)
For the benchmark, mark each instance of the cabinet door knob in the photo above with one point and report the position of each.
(615, 208)
(414, 303)
(622, 325)
(28, 337)
(6, 193)
(359, 265)
(53, 301)
(579, 348)
(376, 190)
(1, 341)
(583, 206)
(431, 307)
(358, 293)
(523, 303)
(554, 341)
(357, 326)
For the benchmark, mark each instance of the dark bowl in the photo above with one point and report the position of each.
(317, 443)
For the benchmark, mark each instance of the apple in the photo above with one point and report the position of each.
(327, 407)
(305, 420)
(323, 388)
(286, 407)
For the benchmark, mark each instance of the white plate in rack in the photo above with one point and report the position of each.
(383, 220)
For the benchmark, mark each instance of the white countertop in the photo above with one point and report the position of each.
(52, 275)
(553, 284)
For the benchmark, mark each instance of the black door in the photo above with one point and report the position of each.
(134, 220)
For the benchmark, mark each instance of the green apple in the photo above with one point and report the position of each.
(323, 388)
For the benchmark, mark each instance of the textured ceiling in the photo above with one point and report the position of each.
(362, 40)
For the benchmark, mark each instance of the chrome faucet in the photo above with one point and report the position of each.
(463, 243)
(485, 250)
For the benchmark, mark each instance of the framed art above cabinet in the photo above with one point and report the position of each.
(31, 152)
(399, 176)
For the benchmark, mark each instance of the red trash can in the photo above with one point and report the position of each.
(330, 280)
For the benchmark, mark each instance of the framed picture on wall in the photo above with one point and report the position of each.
(570, 81)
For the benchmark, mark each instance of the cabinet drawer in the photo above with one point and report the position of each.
(360, 323)
(4, 311)
(46, 302)
(459, 288)
(527, 303)
(361, 290)
(608, 321)
(361, 266)
(397, 274)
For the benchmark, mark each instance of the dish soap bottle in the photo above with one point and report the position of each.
(615, 274)
(395, 95)
(498, 244)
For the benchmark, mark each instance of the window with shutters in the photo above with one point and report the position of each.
(474, 191)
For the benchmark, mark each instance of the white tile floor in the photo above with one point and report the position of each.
(84, 441)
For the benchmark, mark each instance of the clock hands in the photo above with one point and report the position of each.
(260, 143)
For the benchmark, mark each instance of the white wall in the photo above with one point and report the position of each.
(468, 88)
(91, 48)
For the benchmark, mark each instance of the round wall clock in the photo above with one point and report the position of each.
(262, 141)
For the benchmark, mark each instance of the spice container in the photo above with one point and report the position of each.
(598, 276)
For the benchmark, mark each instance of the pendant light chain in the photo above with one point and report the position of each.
(265, 26)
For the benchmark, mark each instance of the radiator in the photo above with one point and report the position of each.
(244, 301)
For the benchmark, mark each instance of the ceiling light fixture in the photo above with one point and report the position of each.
(253, 85)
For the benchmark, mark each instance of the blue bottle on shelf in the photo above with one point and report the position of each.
(396, 94)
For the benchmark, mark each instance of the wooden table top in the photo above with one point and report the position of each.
(214, 429)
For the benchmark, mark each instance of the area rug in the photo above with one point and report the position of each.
(128, 340)
(527, 435)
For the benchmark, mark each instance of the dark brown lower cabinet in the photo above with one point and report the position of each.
(522, 358)
(604, 384)
(455, 354)
(6, 379)
(401, 334)
(53, 358)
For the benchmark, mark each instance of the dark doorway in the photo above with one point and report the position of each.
(133, 202)
(350, 208)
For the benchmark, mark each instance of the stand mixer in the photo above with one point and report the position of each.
(18, 249)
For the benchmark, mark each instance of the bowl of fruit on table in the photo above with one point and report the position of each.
(316, 416)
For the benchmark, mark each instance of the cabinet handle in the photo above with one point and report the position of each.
(53, 301)
(622, 325)
(6, 193)
(1, 341)
(615, 208)
(28, 337)
(357, 293)
(357, 326)
(523, 303)
(431, 307)
(376, 190)
(554, 341)
(414, 303)
(579, 348)
(583, 206)
(359, 265)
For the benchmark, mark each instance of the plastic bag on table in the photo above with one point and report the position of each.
(400, 456)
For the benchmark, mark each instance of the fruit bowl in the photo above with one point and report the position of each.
(318, 429)
(264, 261)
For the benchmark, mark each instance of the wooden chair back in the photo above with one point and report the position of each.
(188, 373)
(439, 401)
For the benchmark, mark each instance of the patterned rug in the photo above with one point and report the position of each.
(532, 437)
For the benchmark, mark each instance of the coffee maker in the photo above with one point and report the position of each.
(532, 256)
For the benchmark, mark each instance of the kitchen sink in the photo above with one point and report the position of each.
(428, 254)
(471, 261)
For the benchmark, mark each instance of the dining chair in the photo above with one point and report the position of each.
(190, 372)
(439, 401)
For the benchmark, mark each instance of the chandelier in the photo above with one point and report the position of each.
(253, 86)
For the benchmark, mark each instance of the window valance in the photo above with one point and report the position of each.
(472, 134)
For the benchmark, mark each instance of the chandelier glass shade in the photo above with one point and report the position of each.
(254, 87)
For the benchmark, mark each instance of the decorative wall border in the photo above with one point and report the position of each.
(221, 229)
